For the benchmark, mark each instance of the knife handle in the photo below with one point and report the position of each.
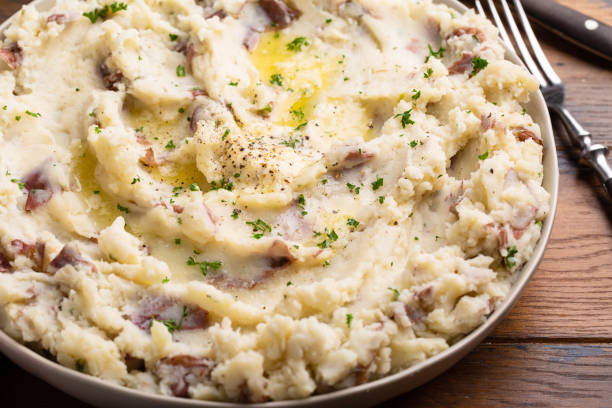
(584, 31)
(608, 186)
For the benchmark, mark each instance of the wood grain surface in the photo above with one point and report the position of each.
(555, 348)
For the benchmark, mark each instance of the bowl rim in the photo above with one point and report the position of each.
(68, 380)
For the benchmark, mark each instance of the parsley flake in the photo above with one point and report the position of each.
(224, 184)
(32, 114)
(378, 183)
(349, 320)
(405, 118)
(259, 228)
(437, 54)
(180, 70)
(297, 44)
(105, 11)
(510, 260)
(484, 155)
(276, 79)
(479, 64)
(396, 293)
(204, 265)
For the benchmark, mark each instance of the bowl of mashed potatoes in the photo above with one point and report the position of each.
(205, 203)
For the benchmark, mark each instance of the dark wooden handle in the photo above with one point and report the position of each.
(576, 27)
(608, 186)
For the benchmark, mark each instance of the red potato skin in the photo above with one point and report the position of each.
(279, 12)
(12, 56)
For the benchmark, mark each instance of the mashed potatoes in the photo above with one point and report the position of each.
(259, 200)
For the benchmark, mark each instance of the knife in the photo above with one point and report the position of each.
(584, 31)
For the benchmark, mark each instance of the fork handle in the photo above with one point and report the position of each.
(587, 32)
(594, 154)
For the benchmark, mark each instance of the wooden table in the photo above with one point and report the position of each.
(555, 348)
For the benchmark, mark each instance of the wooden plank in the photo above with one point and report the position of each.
(529, 375)
(493, 375)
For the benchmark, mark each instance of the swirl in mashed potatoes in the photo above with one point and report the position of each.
(259, 200)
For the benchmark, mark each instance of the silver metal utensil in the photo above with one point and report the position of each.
(551, 85)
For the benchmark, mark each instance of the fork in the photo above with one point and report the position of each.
(550, 84)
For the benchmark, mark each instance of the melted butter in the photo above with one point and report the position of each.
(308, 76)
(102, 209)
(305, 74)
(180, 175)
(155, 128)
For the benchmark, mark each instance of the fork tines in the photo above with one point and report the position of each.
(542, 70)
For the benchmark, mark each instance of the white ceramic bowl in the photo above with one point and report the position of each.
(104, 394)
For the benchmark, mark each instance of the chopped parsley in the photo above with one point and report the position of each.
(349, 320)
(381, 199)
(297, 44)
(405, 118)
(204, 265)
(225, 134)
(484, 155)
(123, 209)
(331, 237)
(135, 180)
(540, 223)
(276, 79)
(170, 145)
(417, 95)
(234, 83)
(298, 114)
(413, 144)
(105, 11)
(97, 129)
(437, 54)
(181, 110)
(183, 316)
(259, 228)
(427, 74)
(235, 214)
(396, 293)
(301, 204)
(324, 181)
(177, 241)
(378, 183)
(524, 111)
(19, 183)
(301, 125)
(352, 222)
(353, 188)
(292, 142)
(32, 114)
(173, 37)
(165, 280)
(289, 283)
(180, 70)
(328, 21)
(265, 111)
(224, 184)
(479, 64)
(194, 187)
(510, 260)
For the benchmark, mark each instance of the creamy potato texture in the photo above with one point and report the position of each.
(259, 200)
